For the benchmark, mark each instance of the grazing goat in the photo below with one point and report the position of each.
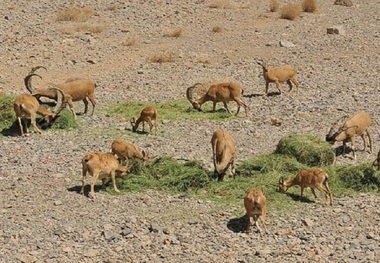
(27, 106)
(223, 153)
(148, 114)
(255, 205)
(278, 75)
(219, 92)
(357, 125)
(75, 90)
(126, 150)
(100, 166)
(313, 178)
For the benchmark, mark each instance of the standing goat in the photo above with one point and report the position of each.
(223, 153)
(148, 114)
(75, 90)
(27, 106)
(357, 125)
(219, 92)
(100, 166)
(255, 205)
(126, 150)
(313, 178)
(278, 75)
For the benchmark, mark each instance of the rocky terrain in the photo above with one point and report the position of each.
(44, 219)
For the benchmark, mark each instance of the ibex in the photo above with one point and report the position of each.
(148, 114)
(126, 150)
(75, 90)
(255, 205)
(223, 153)
(313, 178)
(278, 75)
(357, 125)
(100, 166)
(27, 106)
(219, 92)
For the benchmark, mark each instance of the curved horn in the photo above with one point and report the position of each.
(28, 82)
(189, 93)
(36, 68)
(61, 104)
(281, 180)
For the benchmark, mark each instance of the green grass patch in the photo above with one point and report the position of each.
(65, 120)
(8, 122)
(263, 171)
(171, 110)
(307, 149)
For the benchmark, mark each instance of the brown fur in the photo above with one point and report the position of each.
(357, 125)
(100, 166)
(221, 92)
(279, 75)
(255, 205)
(223, 153)
(148, 114)
(313, 178)
(126, 150)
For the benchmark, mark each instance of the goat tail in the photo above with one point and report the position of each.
(87, 157)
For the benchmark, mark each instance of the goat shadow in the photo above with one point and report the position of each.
(77, 189)
(238, 224)
(297, 197)
(256, 95)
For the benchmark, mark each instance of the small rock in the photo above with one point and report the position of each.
(370, 235)
(338, 30)
(307, 222)
(285, 43)
(58, 202)
(347, 3)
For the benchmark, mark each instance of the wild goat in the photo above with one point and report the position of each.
(255, 205)
(75, 90)
(27, 106)
(219, 92)
(126, 150)
(100, 166)
(313, 178)
(148, 114)
(278, 75)
(357, 125)
(223, 153)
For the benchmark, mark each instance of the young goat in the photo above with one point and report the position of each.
(148, 114)
(223, 153)
(100, 166)
(278, 75)
(27, 106)
(313, 178)
(255, 205)
(76, 90)
(126, 150)
(220, 92)
(357, 125)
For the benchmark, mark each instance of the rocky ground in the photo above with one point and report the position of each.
(44, 219)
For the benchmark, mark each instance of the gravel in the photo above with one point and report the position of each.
(45, 219)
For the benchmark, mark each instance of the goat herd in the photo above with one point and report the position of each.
(103, 165)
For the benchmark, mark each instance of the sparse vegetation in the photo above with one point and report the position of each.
(7, 115)
(274, 5)
(177, 32)
(222, 4)
(309, 6)
(169, 110)
(129, 42)
(65, 120)
(217, 29)
(291, 11)
(162, 58)
(75, 14)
